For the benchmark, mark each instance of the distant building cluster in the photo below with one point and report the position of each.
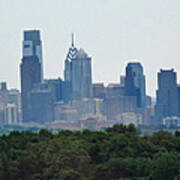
(74, 101)
(10, 105)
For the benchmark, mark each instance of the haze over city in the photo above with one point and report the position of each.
(90, 89)
(112, 32)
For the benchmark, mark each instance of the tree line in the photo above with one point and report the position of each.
(118, 153)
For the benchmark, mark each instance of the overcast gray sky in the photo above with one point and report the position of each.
(112, 32)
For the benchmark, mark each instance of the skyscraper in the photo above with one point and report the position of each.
(30, 75)
(68, 71)
(70, 55)
(167, 95)
(81, 76)
(135, 83)
(30, 68)
(77, 74)
(56, 87)
(32, 46)
(41, 104)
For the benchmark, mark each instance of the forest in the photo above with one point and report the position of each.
(118, 153)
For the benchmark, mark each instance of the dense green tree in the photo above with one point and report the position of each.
(165, 166)
(118, 153)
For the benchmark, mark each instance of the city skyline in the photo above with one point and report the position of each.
(111, 32)
(77, 99)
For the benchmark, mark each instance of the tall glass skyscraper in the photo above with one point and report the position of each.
(167, 95)
(32, 46)
(135, 83)
(30, 69)
(68, 71)
(77, 73)
(81, 76)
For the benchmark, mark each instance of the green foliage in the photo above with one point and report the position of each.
(118, 153)
(165, 166)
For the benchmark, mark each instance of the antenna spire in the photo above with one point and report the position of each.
(72, 39)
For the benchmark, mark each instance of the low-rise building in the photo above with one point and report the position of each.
(171, 122)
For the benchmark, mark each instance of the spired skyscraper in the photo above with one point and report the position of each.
(77, 73)
(135, 83)
(30, 68)
(68, 71)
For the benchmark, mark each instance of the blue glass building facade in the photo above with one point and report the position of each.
(135, 83)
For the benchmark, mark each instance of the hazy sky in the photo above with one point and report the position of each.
(112, 32)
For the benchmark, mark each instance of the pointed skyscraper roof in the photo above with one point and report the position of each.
(72, 50)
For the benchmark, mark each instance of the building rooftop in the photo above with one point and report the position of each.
(81, 54)
(32, 35)
(167, 70)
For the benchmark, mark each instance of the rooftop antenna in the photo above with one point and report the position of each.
(72, 39)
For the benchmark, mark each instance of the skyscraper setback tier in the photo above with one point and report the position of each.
(32, 46)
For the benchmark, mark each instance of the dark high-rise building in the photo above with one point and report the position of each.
(41, 104)
(30, 75)
(135, 83)
(56, 87)
(78, 78)
(167, 95)
(32, 46)
(30, 68)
